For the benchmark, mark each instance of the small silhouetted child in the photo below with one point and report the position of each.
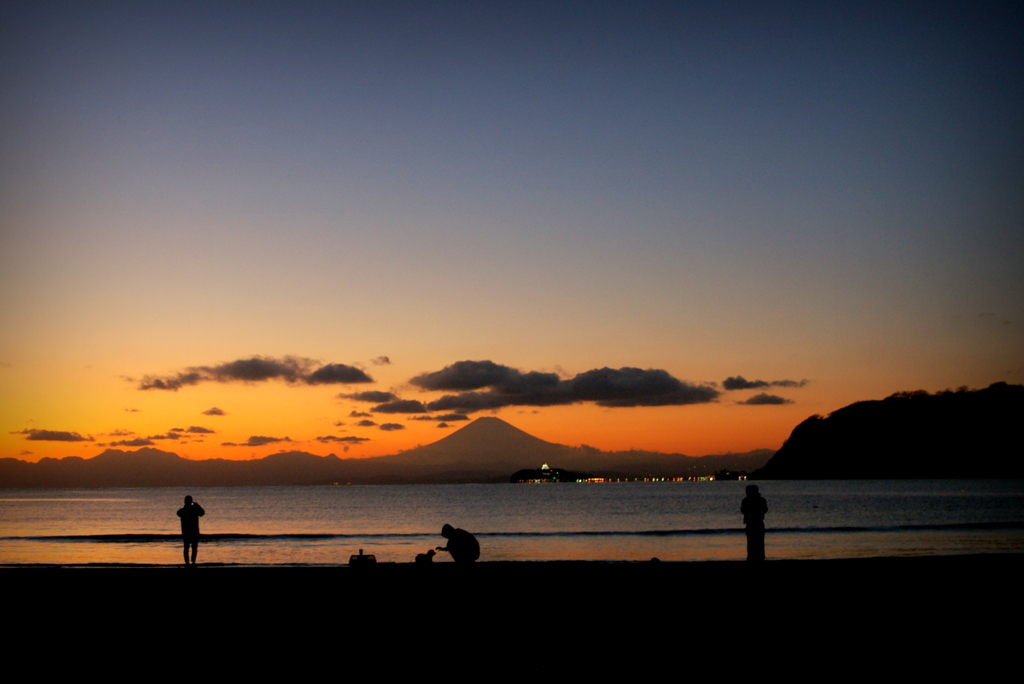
(753, 509)
(427, 557)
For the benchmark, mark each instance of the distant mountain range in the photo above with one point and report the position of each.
(486, 450)
(968, 434)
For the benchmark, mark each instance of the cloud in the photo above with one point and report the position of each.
(765, 400)
(338, 423)
(131, 410)
(636, 387)
(443, 425)
(401, 406)
(258, 440)
(381, 361)
(214, 412)
(120, 433)
(622, 387)
(738, 382)
(137, 442)
(465, 375)
(291, 369)
(337, 374)
(169, 435)
(366, 423)
(389, 427)
(347, 440)
(371, 396)
(359, 414)
(35, 435)
(444, 417)
(24, 452)
(199, 430)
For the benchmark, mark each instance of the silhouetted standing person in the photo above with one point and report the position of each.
(190, 514)
(463, 546)
(753, 509)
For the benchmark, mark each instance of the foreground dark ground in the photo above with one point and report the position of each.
(910, 616)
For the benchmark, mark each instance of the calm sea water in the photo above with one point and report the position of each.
(624, 521)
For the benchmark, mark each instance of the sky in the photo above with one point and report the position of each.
(682, 227)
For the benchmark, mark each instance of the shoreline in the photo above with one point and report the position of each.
(993, 557)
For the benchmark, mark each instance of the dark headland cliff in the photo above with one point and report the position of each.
(951, 434)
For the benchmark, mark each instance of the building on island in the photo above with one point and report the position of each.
(546, 474)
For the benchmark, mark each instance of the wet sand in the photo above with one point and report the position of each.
(931, 614)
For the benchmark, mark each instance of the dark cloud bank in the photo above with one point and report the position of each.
(483, 385)
(36, 435)
(290, 369)
(738, 382)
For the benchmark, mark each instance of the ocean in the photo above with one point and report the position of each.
(673, 521)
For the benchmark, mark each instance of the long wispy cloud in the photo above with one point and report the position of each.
(197, 430)
(345, 440)
(36, 435)
(401, 406)
(443, 418)
(258, 440)
(182, 433)
(371, 396)
(738, 382)
(137, 442)
(505, 386)
(290, 369)
(766, 400)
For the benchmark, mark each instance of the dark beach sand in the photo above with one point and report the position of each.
(890, 616)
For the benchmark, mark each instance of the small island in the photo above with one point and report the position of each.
(545, 475)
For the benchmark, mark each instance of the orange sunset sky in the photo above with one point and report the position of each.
(271, 209)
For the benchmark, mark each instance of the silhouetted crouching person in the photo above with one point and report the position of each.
(753, 509)
(461, 544)
(190, 514)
